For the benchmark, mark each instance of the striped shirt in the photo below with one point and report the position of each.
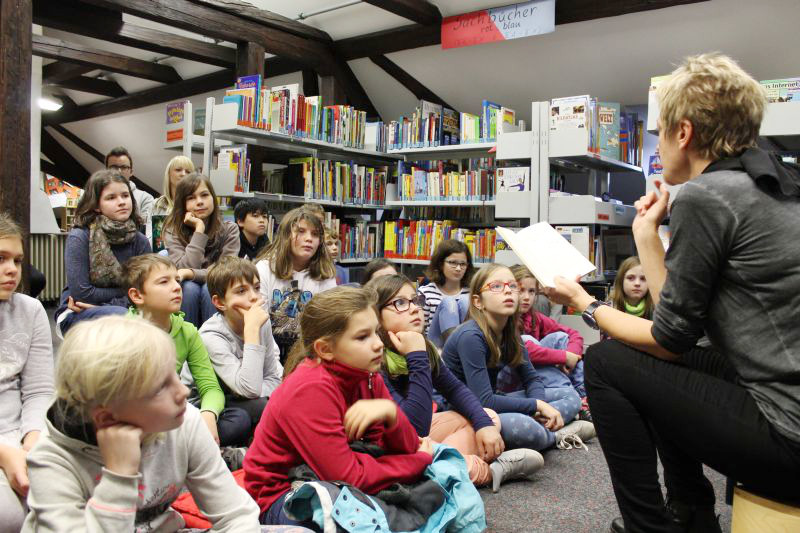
(433, 297)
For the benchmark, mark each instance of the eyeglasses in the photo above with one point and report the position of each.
(119, 168)
(499, 286)
(402, 305)
(456, 264)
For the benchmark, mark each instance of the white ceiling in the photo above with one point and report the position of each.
(610, 58)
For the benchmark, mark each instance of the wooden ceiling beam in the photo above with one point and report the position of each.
(209, 21)
(267, 18)
(80, 143)
(156, 95)
(76, 174)
(419, 11)
(83, 55)
(408, 81)
(97, 86)
(61, 70)
(71, 16)
(355, 93)
(417, 35)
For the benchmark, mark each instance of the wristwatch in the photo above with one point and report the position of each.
(588, 314)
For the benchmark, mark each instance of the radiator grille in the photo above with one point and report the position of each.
(47, 254)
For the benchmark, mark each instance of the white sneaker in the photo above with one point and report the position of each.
(574, 434)
(521, 463)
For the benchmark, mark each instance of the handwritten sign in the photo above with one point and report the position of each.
(499, 24)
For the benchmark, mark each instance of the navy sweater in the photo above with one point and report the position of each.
(466, 353)
(76, 262)
(414, 394)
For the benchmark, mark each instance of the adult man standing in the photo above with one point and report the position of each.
(120, 160)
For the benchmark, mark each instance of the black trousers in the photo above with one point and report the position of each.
(691, 413)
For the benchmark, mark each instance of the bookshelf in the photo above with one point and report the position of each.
(440, 203)
(452, 151)
(180, 136)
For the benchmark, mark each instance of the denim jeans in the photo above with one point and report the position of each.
(196, 306)
(553, 376)
(89, 314)
(523, 431)
(449, 314)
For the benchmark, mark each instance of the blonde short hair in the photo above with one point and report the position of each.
(724, 104)
(108, 360)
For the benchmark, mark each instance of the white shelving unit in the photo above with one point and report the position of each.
(441, 203)
(585, 210)
(189, 142)
(466, 150)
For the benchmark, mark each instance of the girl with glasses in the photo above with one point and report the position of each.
(489, 342)
(412, 369)
(446, 296)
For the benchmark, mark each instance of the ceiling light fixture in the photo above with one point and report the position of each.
(50, 103)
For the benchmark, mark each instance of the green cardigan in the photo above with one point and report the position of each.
(190, 349)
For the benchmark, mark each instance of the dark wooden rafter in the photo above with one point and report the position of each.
(213, 22)
(156, 95)
(419, 11)
(310, 83)
(58, 71)
(99, 59)
(71, 16)
(267, 18)
(80, 143)
(274, 66)
(250, 59)
(354, 92)
(418, 35)
(93, 86)
(74, 172)
(15, 120)
(407, 80)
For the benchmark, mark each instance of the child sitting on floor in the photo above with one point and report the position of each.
(554, 349)
(26, 376)
(239, 337)
(333, 396)
(413, 368)
(121, 440)
(155, 291)
(630, 293)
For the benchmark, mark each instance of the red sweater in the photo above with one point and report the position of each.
(542, 327)
(304, 423)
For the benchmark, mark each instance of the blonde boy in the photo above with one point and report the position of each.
(239, 337)
(155, 290)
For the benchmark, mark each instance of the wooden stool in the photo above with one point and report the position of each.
(754, 514)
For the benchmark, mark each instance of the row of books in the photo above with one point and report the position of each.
(417, 239)
(338, 181)
(284, 109)
(432, 125)
(421, 185)
(612, 133)
(360, 239)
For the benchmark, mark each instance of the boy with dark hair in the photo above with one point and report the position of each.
(120, 160)
(239, 337)
(251, 216)
(154, 289)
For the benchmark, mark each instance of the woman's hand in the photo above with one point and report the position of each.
(194, 222)
(651, 209)
(568, 292)
(362, 414)
(548, 416)
(408, 341)
(490, 443)
(12, 461)
(121, 448)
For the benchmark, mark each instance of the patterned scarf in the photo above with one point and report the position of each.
(104, 269)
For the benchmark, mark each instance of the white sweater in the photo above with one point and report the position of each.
(272, 288)
(26, 367)
(72, 491)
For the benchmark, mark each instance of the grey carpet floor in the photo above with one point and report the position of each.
(571, 494)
